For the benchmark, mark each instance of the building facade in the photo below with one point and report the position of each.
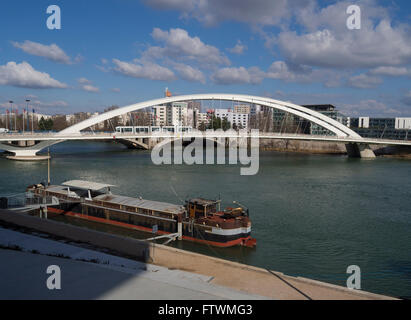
(330, 111)
(177, 114)
(242, 108)
(174, 114)
(239, 120)
(159, 116)
(382, 128)
(202, 118)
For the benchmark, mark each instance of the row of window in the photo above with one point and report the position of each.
(130, 219)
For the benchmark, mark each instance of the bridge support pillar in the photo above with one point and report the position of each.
(359, 150)
(27, 152)
(27, 155)
(136, 143)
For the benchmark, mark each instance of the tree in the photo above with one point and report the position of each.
(225, 124)
(59, 123)
(45, 125)
(215, 123)
(111, 124)
(202, 126)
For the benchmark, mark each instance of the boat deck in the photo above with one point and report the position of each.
(130, 202)
(116, 201)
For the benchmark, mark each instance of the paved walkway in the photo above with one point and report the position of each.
(23, 274)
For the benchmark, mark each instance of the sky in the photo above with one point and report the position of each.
(127, 51)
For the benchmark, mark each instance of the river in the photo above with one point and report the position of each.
(313, 215)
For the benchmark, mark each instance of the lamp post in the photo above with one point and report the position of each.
(7, 119)
(22, 120)
(11, 110)
(27, 114)
(15, 119)
(32, 121)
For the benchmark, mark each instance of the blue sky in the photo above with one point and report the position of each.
(125, 51)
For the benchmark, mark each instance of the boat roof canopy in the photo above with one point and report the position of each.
(87, 185)
(141, 203)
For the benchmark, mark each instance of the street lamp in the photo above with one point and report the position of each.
(11, 109)
(27, 114)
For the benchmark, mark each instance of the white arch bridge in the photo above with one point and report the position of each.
(29, 144)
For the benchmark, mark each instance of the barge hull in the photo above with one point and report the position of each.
(203, 237)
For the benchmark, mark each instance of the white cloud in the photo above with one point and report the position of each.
(178, 44)
(83, 81)
(364, 81)
(189, 73)
(211, 12)
(279, 70)
(392, 71)
(325, 40)
(322, 39)
(333, 16)
(368, 107)
(51, 104)
(179, 54)
(239, 75)
(25, 76)
(31, 96)
(184, 5)
(51, 52)
(304, 74)
(115, 89)
(325, 49)
(239, 48)
(313, 39)
(143, 69)
(90, 88)
(86, 85)
(37, 104)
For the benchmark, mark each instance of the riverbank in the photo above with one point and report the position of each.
(307, 147)
(330, 148)
(245, 278)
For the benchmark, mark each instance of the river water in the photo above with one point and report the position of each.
(313, 215)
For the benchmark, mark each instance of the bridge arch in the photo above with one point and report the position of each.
(334, 126)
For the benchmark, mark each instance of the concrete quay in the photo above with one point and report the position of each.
(90, 274)
(245, 279)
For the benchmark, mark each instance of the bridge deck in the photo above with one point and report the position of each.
(215, 134)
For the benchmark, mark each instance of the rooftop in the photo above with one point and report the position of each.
(141, 203)
(88, 185)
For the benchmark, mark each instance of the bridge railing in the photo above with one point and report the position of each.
(4, 137)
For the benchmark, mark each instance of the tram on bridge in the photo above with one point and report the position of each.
(151, 129)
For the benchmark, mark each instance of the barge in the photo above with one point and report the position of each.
(198, 220)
